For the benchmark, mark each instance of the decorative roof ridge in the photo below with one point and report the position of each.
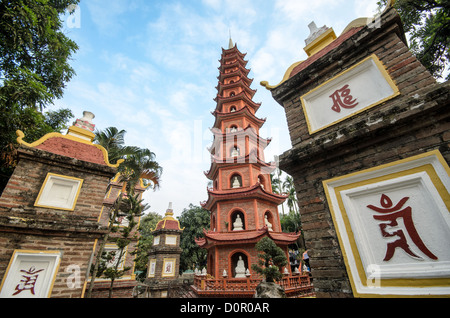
(245, 235)
(40, 141)
(234, 48)
(256, 187)
(168, 217)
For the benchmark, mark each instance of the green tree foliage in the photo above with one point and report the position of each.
(428, 24)
(194, 219)
(139, 162)
(34, 67)
(34, 52)
(271, 259)
(131, 208)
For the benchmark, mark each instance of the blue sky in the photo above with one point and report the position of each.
(150, 67)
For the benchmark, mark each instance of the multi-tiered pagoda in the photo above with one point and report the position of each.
(243, 207)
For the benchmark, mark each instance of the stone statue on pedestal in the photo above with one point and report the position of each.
(237, 225)
(240, 268)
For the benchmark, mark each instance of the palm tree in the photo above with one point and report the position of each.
(292, 197)
(112, 139)
(277, 186)
(139, 164)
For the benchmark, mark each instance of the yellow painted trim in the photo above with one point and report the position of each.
(34, 252)
(49, 174)
(173, 268)
(286, 76)
(427, 168)
(320, 42)
(82, 132)
(21, 135)
(385, 75)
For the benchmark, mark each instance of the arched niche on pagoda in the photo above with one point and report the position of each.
(235, 151)
(268, 217)
(237, 220)
(263, 182)
(213, 222)
(235, 180)
(233, 128)
(234, 258)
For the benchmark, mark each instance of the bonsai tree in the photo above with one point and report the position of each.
(271, 259)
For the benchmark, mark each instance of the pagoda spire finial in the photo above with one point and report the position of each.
(230, 43)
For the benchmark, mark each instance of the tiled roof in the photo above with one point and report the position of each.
(245, 236)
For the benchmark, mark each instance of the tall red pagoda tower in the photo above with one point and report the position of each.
(241, 202)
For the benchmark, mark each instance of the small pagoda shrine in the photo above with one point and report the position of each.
(241, 202)
(164, 256)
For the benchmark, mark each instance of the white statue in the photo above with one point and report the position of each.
(235, 152)
(237, 225)
(236, 183)
(225, 274)
(240, 268)
(268, 224)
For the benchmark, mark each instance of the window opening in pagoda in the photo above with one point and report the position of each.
(236, 181)
(235, 152)
(238, 221)
(239, 265)
(261, 181)
(232, 109)
(268, 220)
(232, 94)
(233, 128)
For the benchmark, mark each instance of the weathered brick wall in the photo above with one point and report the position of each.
(412, 123)
(73, 267)
(24, 226)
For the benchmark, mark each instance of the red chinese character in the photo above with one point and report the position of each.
(342, 98)
(29, 280)
(391, 214)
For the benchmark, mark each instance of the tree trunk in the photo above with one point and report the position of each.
(102, 245)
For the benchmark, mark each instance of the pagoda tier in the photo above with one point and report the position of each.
(239, 73)
(252, 159)
(231, 62)
(227, 118)
(254, 192)
(225, 103)
(247, 137)
(239, 84)
(213, 238)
